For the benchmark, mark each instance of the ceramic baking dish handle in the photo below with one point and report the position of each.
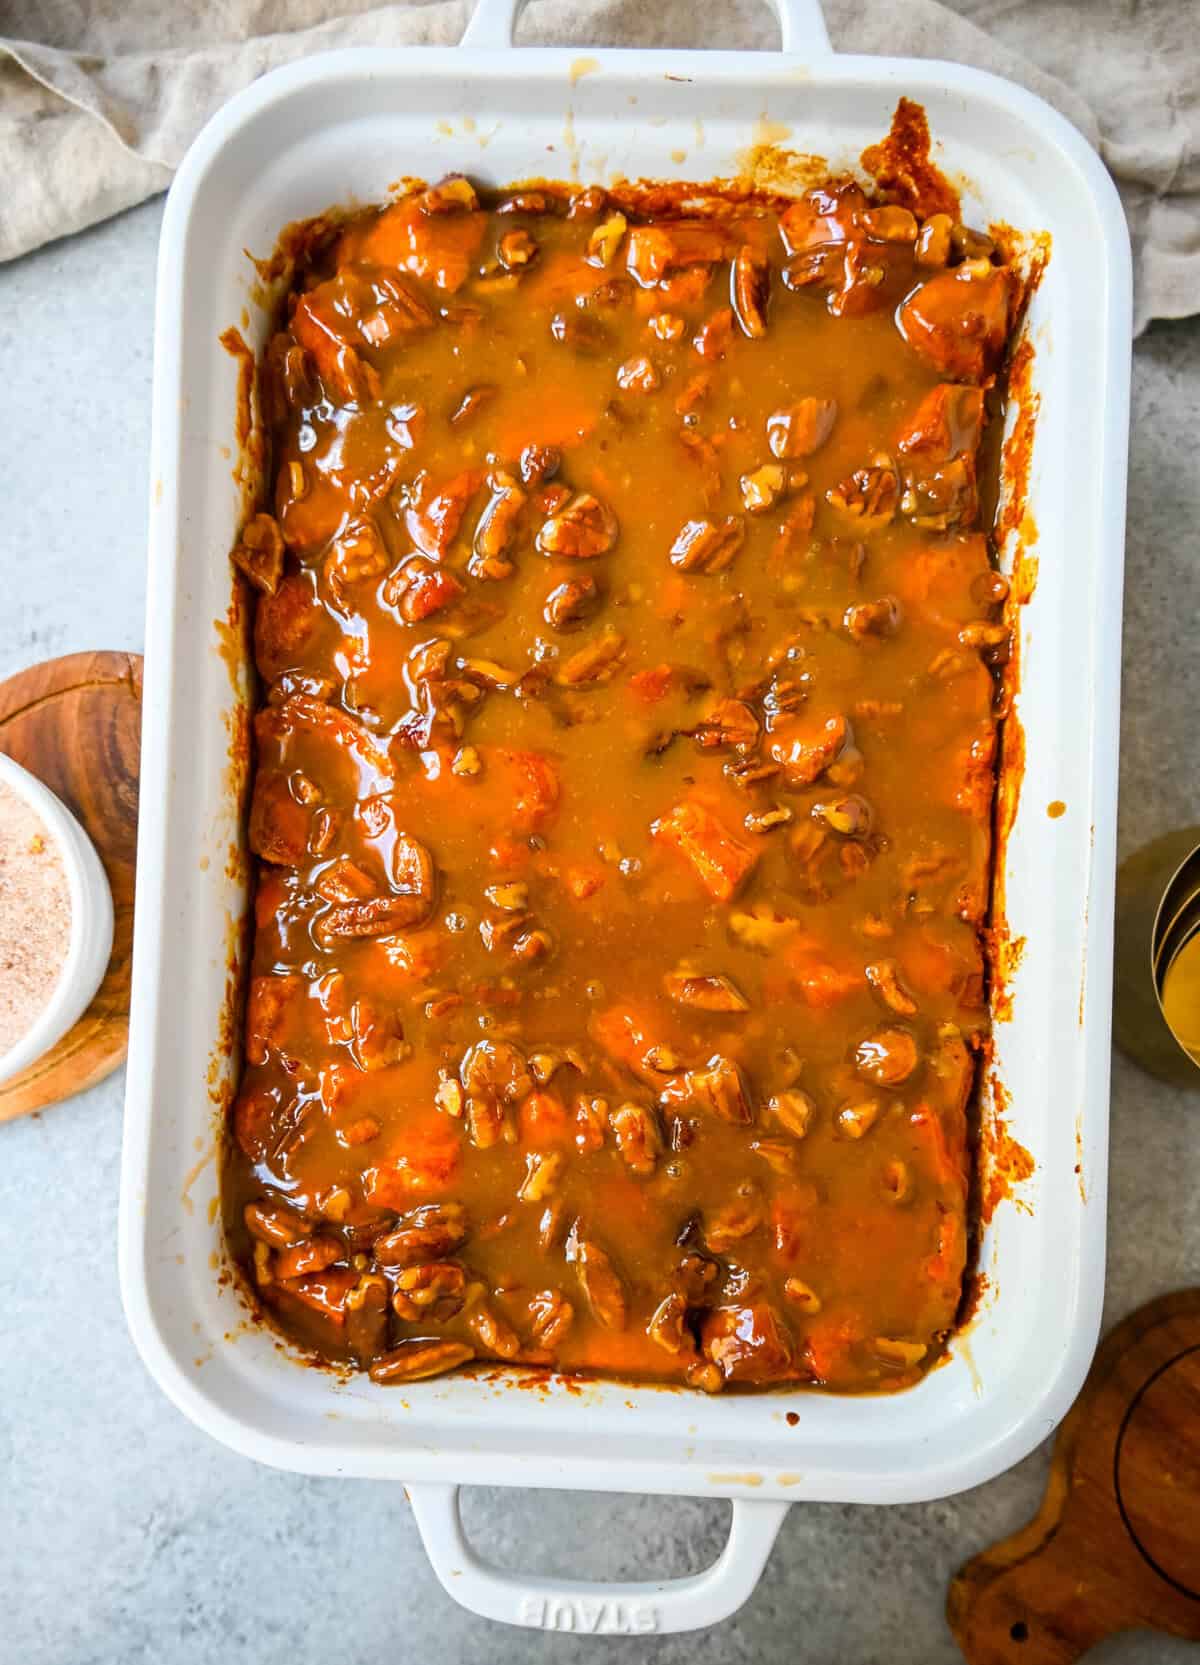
(651, 1608)
(801, 23)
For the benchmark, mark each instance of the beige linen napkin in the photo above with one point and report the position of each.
(99, 99)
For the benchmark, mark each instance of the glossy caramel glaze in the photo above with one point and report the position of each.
(624, 787)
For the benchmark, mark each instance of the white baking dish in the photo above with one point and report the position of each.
(340, 128)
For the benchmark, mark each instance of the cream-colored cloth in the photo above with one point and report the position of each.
(99, 99)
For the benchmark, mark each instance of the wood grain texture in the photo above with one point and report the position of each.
(76, 723)
(1116, 1542)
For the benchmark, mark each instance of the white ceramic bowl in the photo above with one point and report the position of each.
(91, 922)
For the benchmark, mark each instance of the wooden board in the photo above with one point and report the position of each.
(76, 723)
(1116, 1542)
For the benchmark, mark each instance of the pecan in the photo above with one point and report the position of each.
(696, 1276)
(551, 1316)
(706, 994)
(875, 618)
(452, 195)
(597, 661)
(905, 1353)
(600, 1283)
(509, 898)
(706, 1377)
(571, 603)
(728, 723)
(763, 487)
(493, 1334)
(497, 527)
(721, 1088)
(868, 496)
(259, 553)
(765, 821)
(605, 240)
(545, 1064)
(850, 816)
(666, 1326)
(887, 1056)
(413, 1361)
(802, 1295)
(366, 1317)
(750, 291)
(272, 1223)
(314, 1254)
(495, 1069)
(946, 498)
(581, 331)
(585, 528)
(430, 1232)
(981, 633)
(540, 463)
(734, 1221)
(707, 546)
(472, 402)
(800, 429)
(884, 978)
(487, 1122)
(638, 1138)
(761, 927)
(793, 1110)
(638, 375)
(806, 752)
(436, 1289)
(778, 1154)
(516, 249)
(382, 916)
(552, 1226)
(856, 1120)
(358, 554)
(543, 1170)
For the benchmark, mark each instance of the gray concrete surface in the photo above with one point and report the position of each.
(129, 1536)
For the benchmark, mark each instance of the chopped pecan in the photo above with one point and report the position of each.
(884, 978)
(734, 1220)
(540, 463)
(638, 375)
(543, 1170)
(802, 428)
(793, 1110)
(869, 496)
(429, 1233)
(366, 1317)
(903, 1353)
(259, 553)
(727, 723)
(706, 994)
(666, 1326)
(580, 531)
(382, 916)
(272, 1223)
(600, 1283)
(571, 603)
(763, 487)
(516, 249)
(721, 1088)
(887, 1056)
(497, 527)
(435, 1289)
(707, 546)
(472, 402)
(492, 1333)
(452, 195)
(413, 1361)
(856, 1120)
(875, 618)
(638, 1138)
(802, 1295)
(750, 291)
(605, 240)
(765, 821)
(551, 1316)
(850, 816)
(597, 661)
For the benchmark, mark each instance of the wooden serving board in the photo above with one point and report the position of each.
(76, 724)
(1116, 1543)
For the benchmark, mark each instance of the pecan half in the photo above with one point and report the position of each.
(582, 530)
(413, 1361)
(750, 291)
(707, 546)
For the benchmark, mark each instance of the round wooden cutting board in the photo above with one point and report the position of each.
(1116, 1543)
(76, 724)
